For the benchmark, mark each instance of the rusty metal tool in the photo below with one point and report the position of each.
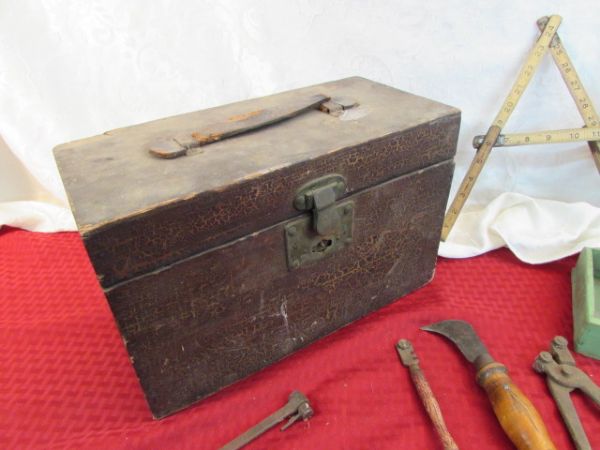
(563, 377)
(297, 407)
(516, 414)
(410, 360)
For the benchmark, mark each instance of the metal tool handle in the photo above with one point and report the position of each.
(258, 429)
(432, 407)
(517, 415)
(563, 376)
(296, 408)
(175, 146)
(569, 414)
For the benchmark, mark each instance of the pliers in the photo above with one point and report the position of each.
(563, 377)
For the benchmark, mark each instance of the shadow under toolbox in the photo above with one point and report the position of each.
(228, 238)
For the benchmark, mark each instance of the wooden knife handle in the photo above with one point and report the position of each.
(432, 407)
(518, 417)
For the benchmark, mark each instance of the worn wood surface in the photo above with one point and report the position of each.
(219, 316)
(137, 212)
(191, 251)
(179, 145)
(167, 234)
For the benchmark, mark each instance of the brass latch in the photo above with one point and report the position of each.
(319, 196)
(327, 229)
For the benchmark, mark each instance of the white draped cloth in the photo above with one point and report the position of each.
(72, 69)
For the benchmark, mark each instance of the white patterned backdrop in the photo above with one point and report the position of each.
(71, 69)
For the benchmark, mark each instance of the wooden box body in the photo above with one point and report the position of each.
(193, 253)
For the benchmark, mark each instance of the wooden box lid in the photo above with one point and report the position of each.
(138, 212)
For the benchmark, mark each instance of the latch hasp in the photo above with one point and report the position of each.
(329, 227)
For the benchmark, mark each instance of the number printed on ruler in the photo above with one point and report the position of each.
(525, 75)
(574, 83)
(559, 136)
(543, 137)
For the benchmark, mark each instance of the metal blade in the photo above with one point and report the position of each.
(462, 334)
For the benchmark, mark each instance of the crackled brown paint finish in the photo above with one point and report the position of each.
(177, 231)
(217, 317)
(191, 251)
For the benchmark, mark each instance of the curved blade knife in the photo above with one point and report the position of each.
(516, 414)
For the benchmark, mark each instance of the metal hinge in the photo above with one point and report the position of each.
(327, 229)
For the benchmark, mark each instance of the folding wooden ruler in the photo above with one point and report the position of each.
(591, 132)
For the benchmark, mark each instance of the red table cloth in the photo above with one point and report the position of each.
(66, 381)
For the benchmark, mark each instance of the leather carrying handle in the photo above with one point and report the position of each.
(517, 415)
(180, 145)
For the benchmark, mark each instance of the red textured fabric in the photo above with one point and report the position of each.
(66, 381)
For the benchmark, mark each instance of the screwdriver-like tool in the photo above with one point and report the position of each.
(516, 414)
(296, 408)
(409, 359)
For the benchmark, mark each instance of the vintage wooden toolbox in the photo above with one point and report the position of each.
(228, 238)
